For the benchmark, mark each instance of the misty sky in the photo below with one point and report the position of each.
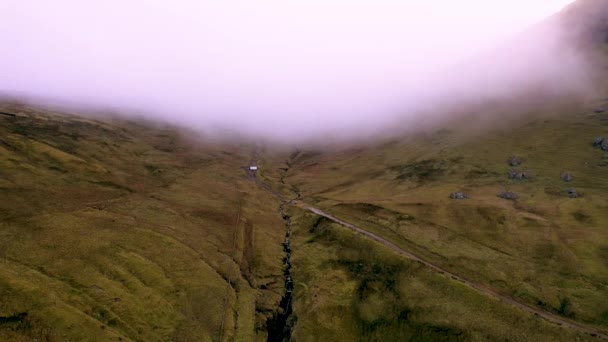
(282, 68)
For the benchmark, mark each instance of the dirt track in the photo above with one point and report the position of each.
(478, 287)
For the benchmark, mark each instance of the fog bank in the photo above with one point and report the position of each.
(282, 69)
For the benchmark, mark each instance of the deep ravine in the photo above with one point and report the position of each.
(279, 327)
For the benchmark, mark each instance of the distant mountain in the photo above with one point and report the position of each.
(587, 20)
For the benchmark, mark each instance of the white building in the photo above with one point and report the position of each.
(253, 168)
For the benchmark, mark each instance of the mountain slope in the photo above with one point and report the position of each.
(544, 248)
(117, 229)
(114, 229)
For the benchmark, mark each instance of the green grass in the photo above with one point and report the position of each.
(349, 288)
(544, 248)
(119, 230)
(127, 230)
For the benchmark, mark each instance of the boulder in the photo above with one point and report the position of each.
(572, 193)
(604, 145)
(458, 195)
(598, 141)
(519, 175)
(515, 161)
(566, 177)
(508, 195)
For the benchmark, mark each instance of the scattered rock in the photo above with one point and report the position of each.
(598, 141)
(566, 177)
(572, 193)
(508, 195)
(458, 195)
(515, 161)
(519, 175)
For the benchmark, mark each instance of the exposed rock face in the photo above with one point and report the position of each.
(515, 161)
(458, 195)
(598, 141)
(508, 195)
(519, 175)
(572, 193)
(280, 325)
(566, 177)
(601, 142)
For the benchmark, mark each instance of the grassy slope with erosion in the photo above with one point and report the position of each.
(545, 248)
(116, 230)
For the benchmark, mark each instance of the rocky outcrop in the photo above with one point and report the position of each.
(280, 326)
(572, 193)
(519, 175)
(458, 195)
(515, 161)
(601, 142)
(566, 177)
(598, 141)
(508, 195)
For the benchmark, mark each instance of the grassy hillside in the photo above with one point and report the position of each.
(349, 288)
(122, 230)
(544, 247)
(127, 230)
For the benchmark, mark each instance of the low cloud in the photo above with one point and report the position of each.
(285, 70)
